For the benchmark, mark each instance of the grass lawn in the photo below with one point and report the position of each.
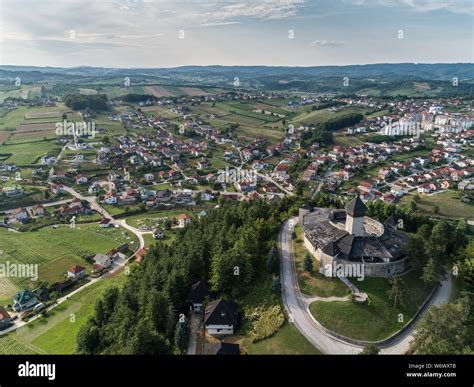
(57, 332)
(287, 341)
(347, 141)
(55, 271)
(376, 320)
(117, 210)
(314, 284)
(161, 187)
(29, 153)
(149, 219)
(448, 202)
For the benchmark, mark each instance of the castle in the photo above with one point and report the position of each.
(347, 238)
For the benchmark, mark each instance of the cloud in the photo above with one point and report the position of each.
(264, 10)
(453, 6)
(328, 43)
(218, 24)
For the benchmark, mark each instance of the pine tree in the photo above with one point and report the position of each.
(181, 336)
(308, 263)
(273, 262)
(431, 273)
(397, 290)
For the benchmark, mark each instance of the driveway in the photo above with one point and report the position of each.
(194, 323)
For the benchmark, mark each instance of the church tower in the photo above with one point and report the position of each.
(355, 212)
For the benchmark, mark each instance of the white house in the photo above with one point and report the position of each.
(184, 220)
(105, 222)
(102, 260)
(149, 177)
(76, 271)
(221, 318)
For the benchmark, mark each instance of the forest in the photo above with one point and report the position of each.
(230, 248)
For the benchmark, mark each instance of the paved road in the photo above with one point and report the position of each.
(323, 180)
(298, 312)
(271, 180)
(122, 223)
(194, 323)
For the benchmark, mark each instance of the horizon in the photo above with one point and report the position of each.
(250, 65)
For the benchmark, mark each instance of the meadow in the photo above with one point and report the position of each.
(56, 249)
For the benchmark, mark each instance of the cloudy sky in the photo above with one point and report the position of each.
(165, 33)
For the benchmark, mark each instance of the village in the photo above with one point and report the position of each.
(171, 160)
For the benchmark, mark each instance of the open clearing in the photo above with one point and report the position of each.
(158, 91)
(449, 204)
(57, 334)
(193, 91)
(287, 341)
(28, 153)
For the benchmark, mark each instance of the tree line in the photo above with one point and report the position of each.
(81, 102)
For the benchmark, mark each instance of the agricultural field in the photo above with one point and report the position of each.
(447, 204)
(158, 91)
(53, 249)
(10, 345)
(23, 91)
(28, 153)
(320, 116)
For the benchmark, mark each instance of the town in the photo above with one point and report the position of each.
(153, 165)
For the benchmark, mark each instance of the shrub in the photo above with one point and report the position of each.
(267, 323)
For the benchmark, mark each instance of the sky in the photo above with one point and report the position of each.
(165, 33)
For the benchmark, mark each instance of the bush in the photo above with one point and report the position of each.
(267, 323)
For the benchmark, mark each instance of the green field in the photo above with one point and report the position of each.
(10, 345)
(56, 333)
(287, 341)
(314, 284)
(150, 219)
(320, 116)
(63, 245)
(29, 153)
(377, 319)
(449, 204)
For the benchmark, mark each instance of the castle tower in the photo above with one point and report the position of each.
(355, 211)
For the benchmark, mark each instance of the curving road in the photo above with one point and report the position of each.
(92, 200)
(297, 306)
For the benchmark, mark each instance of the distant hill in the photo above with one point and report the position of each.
(436, 71)
(385, 80)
